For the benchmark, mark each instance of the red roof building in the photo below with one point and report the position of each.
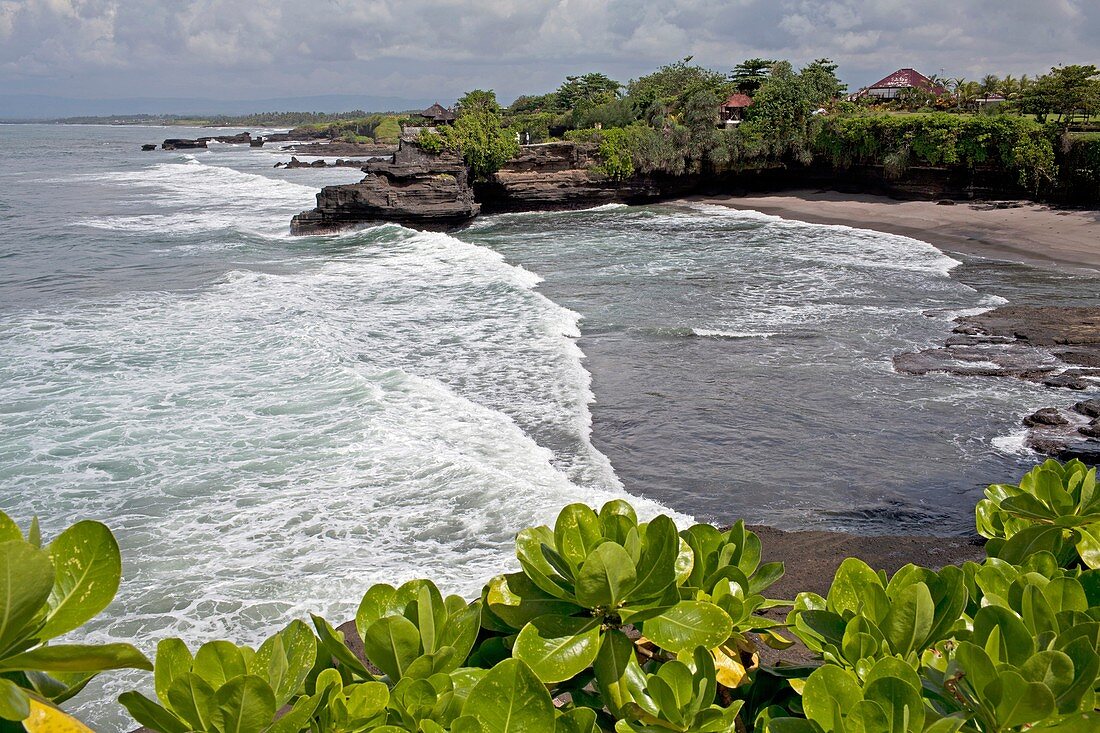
(733, 107)
(891, 86)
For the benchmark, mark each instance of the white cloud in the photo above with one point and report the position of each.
(439, 48)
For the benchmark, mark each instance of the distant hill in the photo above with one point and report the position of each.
(21, 107)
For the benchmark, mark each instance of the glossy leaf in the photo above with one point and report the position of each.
(151, 715)
(26, 579)
(245, 704)
(606, 577)
(77, 658)
(689, 624)
(557, 648)
(173, 660)
(392, 643)
(511, 699)
(88, 568)
(14, 703)
(517, 600)
(217, 662)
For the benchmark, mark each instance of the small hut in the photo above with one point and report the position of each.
(437, 115)
(733, 109)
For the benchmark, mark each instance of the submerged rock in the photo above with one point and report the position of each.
(149, 146)
(1058, 347)
(1051, 345)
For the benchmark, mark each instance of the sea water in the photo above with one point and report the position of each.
(270, 424)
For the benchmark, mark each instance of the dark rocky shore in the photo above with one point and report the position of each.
(415, 187)
(1054, 346)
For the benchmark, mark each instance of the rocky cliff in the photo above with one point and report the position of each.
(429, 191)
(557, 176)
(412, 187)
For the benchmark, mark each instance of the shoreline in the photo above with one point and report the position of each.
(1034, 234)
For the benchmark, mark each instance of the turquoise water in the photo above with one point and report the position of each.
(271, 424)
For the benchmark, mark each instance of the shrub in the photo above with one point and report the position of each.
(1020, 146)
(45, 593)
(613, 623)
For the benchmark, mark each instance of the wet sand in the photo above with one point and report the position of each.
(1019, 231)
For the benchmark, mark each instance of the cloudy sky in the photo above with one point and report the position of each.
(243, 49)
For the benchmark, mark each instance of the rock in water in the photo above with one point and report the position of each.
(151, 146)
(1054, 346)
(1045, 416)
(1088, 408)
(413, 187)
(180, 144)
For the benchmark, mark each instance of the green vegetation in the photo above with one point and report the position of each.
(46, 592)
(376, 128)
(667, 123)
(479, 134)
(1017, 145)
(616, 624)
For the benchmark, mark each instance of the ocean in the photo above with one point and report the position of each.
(270, 424)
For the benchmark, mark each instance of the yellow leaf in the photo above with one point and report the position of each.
(48, 719)
(729, 670)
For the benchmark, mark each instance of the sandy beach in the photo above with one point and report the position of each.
(1026, 232)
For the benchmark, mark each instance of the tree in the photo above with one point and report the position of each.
(1071, 89)
(781, 108)
(534, 103)
(1065, 91)
(750, 74)
(587, 90)
(821, 81)
(479, 135)
(672, 84)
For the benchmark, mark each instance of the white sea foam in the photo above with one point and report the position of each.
(205, 198)
(1014, 443)
(279, 442)
(858, 247)
(717, 333)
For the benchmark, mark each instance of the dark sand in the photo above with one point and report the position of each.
(1018, 231)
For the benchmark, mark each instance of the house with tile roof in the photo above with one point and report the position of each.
(894, 85)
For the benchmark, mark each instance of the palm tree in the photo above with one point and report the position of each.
(990, 84)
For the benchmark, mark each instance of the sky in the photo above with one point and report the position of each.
(437, 49)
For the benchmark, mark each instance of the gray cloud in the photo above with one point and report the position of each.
(438, 48)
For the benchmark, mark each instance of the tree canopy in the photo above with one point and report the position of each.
(750, 74)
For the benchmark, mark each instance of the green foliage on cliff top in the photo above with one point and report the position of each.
(479, 134)
(1020, 146)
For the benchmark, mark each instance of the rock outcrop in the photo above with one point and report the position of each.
(243, 138)
(1055, 346)
(340, 147)
(1052, 345)
(554, 176)
(181, 144)
(412, 187)
(149, 146)
(339, 163)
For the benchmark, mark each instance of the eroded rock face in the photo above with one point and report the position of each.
(1058, 347)
(413, 187)
(555, 176)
